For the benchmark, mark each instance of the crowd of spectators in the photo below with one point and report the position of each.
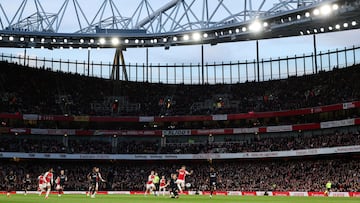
(239, 175)
(255, 144)
(41, 91)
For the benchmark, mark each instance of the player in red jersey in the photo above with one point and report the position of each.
(49, 180)
(163, 185)
(181, 177)
(149, 184)
(42, 185)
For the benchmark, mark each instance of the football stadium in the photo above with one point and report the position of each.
(179, 101)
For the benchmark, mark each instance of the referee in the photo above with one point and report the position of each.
(156, 182)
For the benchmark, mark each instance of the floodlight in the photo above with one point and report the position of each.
(196, 36)
(255, 26)
(11, 38)
(102, 40)
(186, 37)
(335, 7)
(316, 12)
(115, 41)
(325, 10)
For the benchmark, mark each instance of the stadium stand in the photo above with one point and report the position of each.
(265, 175)
(42, 91)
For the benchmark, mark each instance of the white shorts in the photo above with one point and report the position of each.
(181, 183)
(47, 184)
(150, 186)
(42, 186)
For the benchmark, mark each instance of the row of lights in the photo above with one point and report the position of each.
(330, 28)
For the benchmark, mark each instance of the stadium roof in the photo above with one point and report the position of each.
(177, 22)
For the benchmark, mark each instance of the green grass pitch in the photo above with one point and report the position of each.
(151, 199)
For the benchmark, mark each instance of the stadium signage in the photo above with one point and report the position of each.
(176, 132)
(248, 155)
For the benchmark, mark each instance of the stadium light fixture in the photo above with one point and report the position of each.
(255, 26)
(308, 31)
(265, 24)
(89, 48)
(337, 27)
(315, 31)
(330, 28)
(325, 10)
(155, 41)
(230, 32)
(42, 40)
(82, 41)
(32, 39)
(98, 48)
(175, 38)
(307, 14)
(126, 41)
(353, 23)
(115, 41)
(136, 41)
(80, 48)
(152, 41)
(65, 41)
(70, 47)
(237, 30)
(102, 40)
(316, 12)
(142, 41)
(42, 47)
(92, 41)
(301, 33)
(298, 17)
(244, 29)
(335, 7)
(196, 36)
(61, 48)
(289, 19)
(1, 38)
(22, 39)
(186, 37)
(322, 29)
(346, 25)
(164, 39)
(11, 38)
(205, 35)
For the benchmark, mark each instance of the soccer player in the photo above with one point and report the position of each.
(328, 188)
(27, 183)
(156, 182)
(60, 182)
(49, 181)
(10, 182)
(94, 178)
(181, 177)
(163, 185)
(212, 181)
(42, 185)
(150, 184)
(174, 188)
